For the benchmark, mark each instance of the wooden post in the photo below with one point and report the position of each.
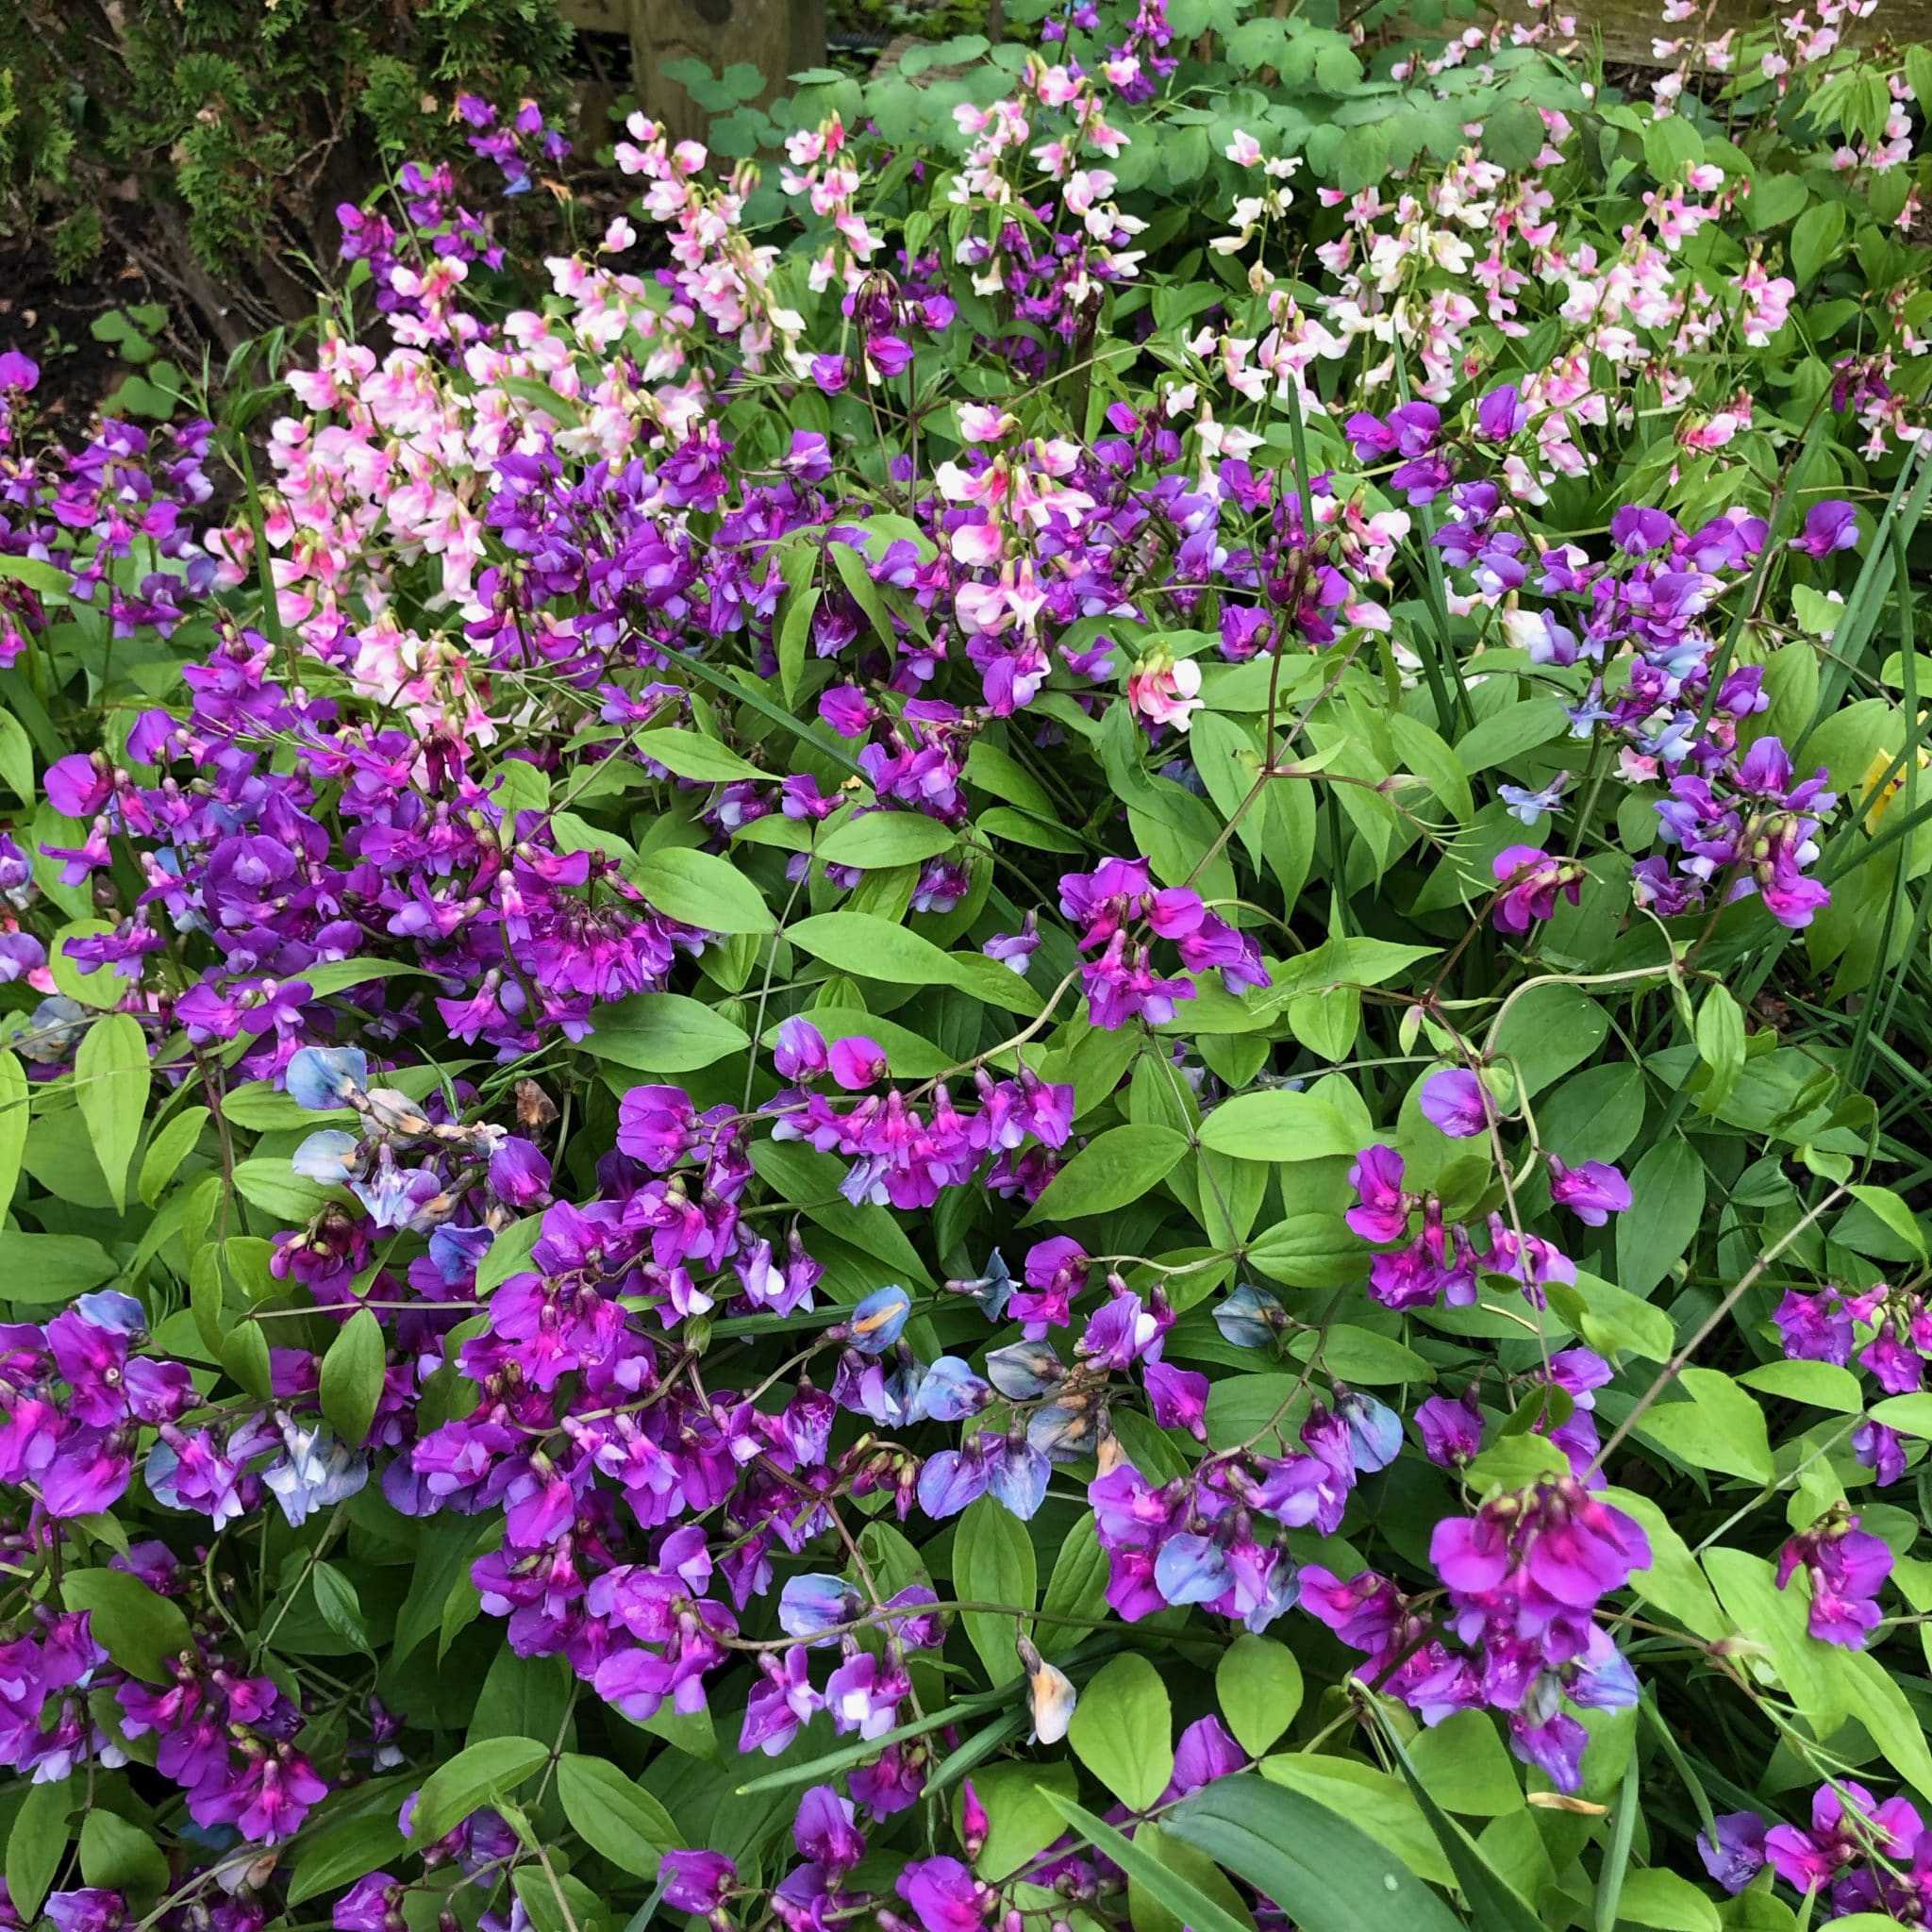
(778, 36)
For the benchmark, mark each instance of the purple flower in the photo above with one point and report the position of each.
(1456, 1102)
(1450, 1427)
(800, 1052)
(944, 1897)
(1828, 526)
(1733, 1853)
(373, 1904)
(696, 1881)
(1501, 413)
(1527, 807)
(824, 1833)
(1593, 1190)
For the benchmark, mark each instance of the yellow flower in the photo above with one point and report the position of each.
(1882, 762)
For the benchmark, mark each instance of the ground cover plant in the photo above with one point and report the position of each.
(1024, 1030)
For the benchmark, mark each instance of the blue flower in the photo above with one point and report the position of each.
(1017, 1478)
(810, 1604)
(108, 1308)
(327, 1155)
(876, 1322)
(949, 1393)
(1250, 1317)
(317, 1471)
(1528, 806)
(1375, 1430)
(325, 1076)
(1191, 1570)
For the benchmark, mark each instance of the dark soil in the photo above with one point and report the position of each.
(50, 320)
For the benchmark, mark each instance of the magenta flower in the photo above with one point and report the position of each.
(858, 1062)
(1530, 880)
(1847, 1567)
(1593, 1190)
(1381, 1210)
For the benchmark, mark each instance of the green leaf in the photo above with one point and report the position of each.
(1549, 1030)
(1463, 1766)
(702, 889)
(1277, 1125)
(352, 1375)
(663, 1033)
(120, 1855)
(1325, 1873)
(1819, 1385)
(1181, 1896)
(994, 1564)
(557, 1901)
(615, 1816)
(445, 1548)
(1308, 1251)
(1123, 1730)
(1511, 732)
(1021, 1818)
(13, 1124)
(39, 1268)
(1772, 1621)
(1775, 198)
(869, 948)
(522, 1697)
(167, 1150)
(37, 574)
(1609, 1319)
(1077, 1587)
(341, 1607)
(36, 1844)
(16, 757)
(1874, 1697)
(269, 1184)
(1815, 240)
(686, 755)
(1669, 1184)
(1653, 1896)
(1721, 1428)
(1375, 1801)
(1894, 1213)
(471, 1779)
(141, 1631)
(1673, 1583)
(343, 1850)
(1494, 1903)
(1114, 1170)
(509, 1254)
(886, 838)
(1911, 1415)
(1720, 1046)
(110, 1079)
(1258, 1683)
